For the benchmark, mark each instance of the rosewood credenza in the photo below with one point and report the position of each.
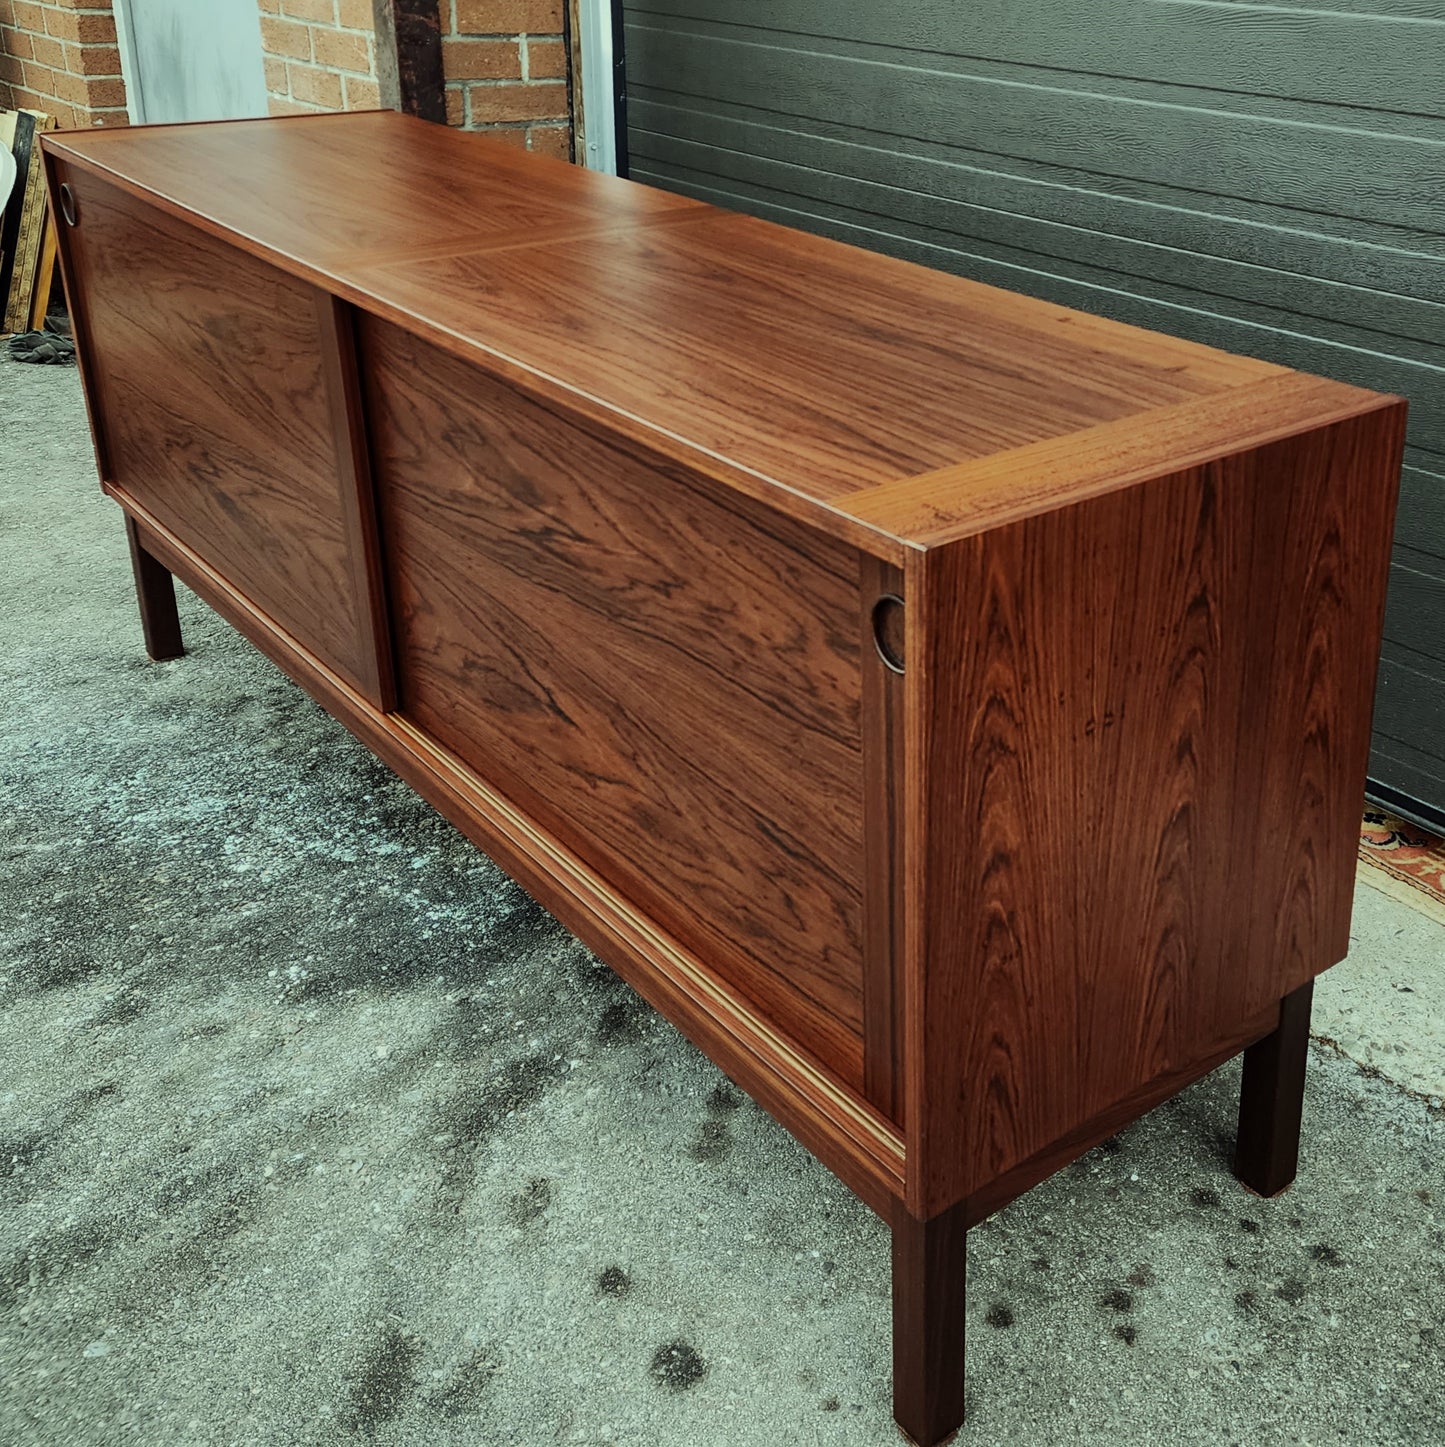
(949, 709)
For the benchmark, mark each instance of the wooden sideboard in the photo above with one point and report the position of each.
(949, 709)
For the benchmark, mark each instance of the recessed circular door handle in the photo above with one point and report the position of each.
(69, 206)
(888, 630)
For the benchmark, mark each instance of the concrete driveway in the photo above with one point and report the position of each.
(315, 1130)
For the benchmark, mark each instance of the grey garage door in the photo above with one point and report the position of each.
(1265, 178)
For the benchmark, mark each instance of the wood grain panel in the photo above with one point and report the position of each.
(322, 189)
(207, 369)
(852, 1140)
(742, 348)
(972, 497)
(1137, 744)
(994, 1195)
(761, 346)
(664, 677)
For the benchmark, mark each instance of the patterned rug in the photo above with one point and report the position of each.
(1404, 860)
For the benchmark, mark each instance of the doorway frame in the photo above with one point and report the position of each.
(604, 86)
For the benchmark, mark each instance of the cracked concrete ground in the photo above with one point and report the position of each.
(315, 1130)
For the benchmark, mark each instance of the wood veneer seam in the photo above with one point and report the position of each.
(383, 259)
(1146, 454)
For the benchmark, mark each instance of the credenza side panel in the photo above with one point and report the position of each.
(206, 374)
(1138, 739)
(664, 676)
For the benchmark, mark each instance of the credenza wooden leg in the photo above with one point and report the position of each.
(156, 592)
(1271, 1099)
(929, 1266)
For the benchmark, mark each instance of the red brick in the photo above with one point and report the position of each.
(102, 93)
(48, 52)
(342, 50)
(456, 105)
(11, 70)
(87, 29)
(15, 44)
(72, 88)
(28, 16)
(481, 60)
(285, 37)
(66, 116)
(41, 78)
(518, 102)
(322, 10)
(317, 87)
(92, 59)
(546, 60)
(491, 17)
(361, 94)
(509, 17)
(279, 106)
(551, 141)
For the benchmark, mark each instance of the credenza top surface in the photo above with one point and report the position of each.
(786, 360)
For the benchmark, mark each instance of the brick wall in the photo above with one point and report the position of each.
(505, 63)
(60, 56)
(320, 55)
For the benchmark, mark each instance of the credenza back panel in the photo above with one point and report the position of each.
(666, 676)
